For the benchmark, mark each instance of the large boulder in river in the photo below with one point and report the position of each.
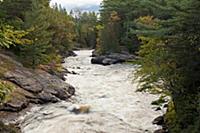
(98, 60)
(31, 86)
(112, 58)
(80, 109)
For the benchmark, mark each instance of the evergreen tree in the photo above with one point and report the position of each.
(170, 60)
(85, 29)
(64, 29)
(14, 11)
(110, 34)
(10, 37)
(128, 11)
(36, 21)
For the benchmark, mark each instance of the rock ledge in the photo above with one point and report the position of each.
(112, 58)
(32, 86)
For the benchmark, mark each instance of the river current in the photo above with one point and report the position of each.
(110, 91)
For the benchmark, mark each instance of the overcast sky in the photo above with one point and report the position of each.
(90, 5)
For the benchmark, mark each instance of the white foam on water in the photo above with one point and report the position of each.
(116, 107)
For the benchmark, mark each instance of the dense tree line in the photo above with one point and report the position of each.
(117, 19)
(166, 36)
(48, 31)
(85, 28)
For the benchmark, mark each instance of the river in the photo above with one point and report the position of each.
(116, 107)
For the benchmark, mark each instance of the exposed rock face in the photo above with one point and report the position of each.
(14, 105)
(112, 58)
(34, 87)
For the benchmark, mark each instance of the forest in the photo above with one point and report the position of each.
(164, 35)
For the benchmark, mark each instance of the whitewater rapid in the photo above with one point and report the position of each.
(116, 107)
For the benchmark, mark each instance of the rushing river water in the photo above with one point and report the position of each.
(109, 90)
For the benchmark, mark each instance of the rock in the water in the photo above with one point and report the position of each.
(109, 61)
(159, 120)
(158, 108)
(73, 72)
(63, 60)
(69, 53)
(112, 58)
(98, 60)
(94, 54)
(165, 106)
(160, 131)
(80, 109)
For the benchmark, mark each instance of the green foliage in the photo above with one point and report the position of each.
(9, 36)
(170, 60)
(63, 27)
(14, 10)
(50, 31)
(85, 27)
(170, 118)
(37, 53)
(5, 89)
(127, 11)
(110, 34)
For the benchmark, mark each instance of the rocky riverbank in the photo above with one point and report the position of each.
(28, 87)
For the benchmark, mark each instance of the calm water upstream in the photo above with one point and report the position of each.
(109, 90)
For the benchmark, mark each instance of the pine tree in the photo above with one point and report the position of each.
(128, 11)
(170, 60)
(64, 29)
(14, 11)
(85, 24)
(36, 21)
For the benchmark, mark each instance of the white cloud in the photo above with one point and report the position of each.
(71, 4)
